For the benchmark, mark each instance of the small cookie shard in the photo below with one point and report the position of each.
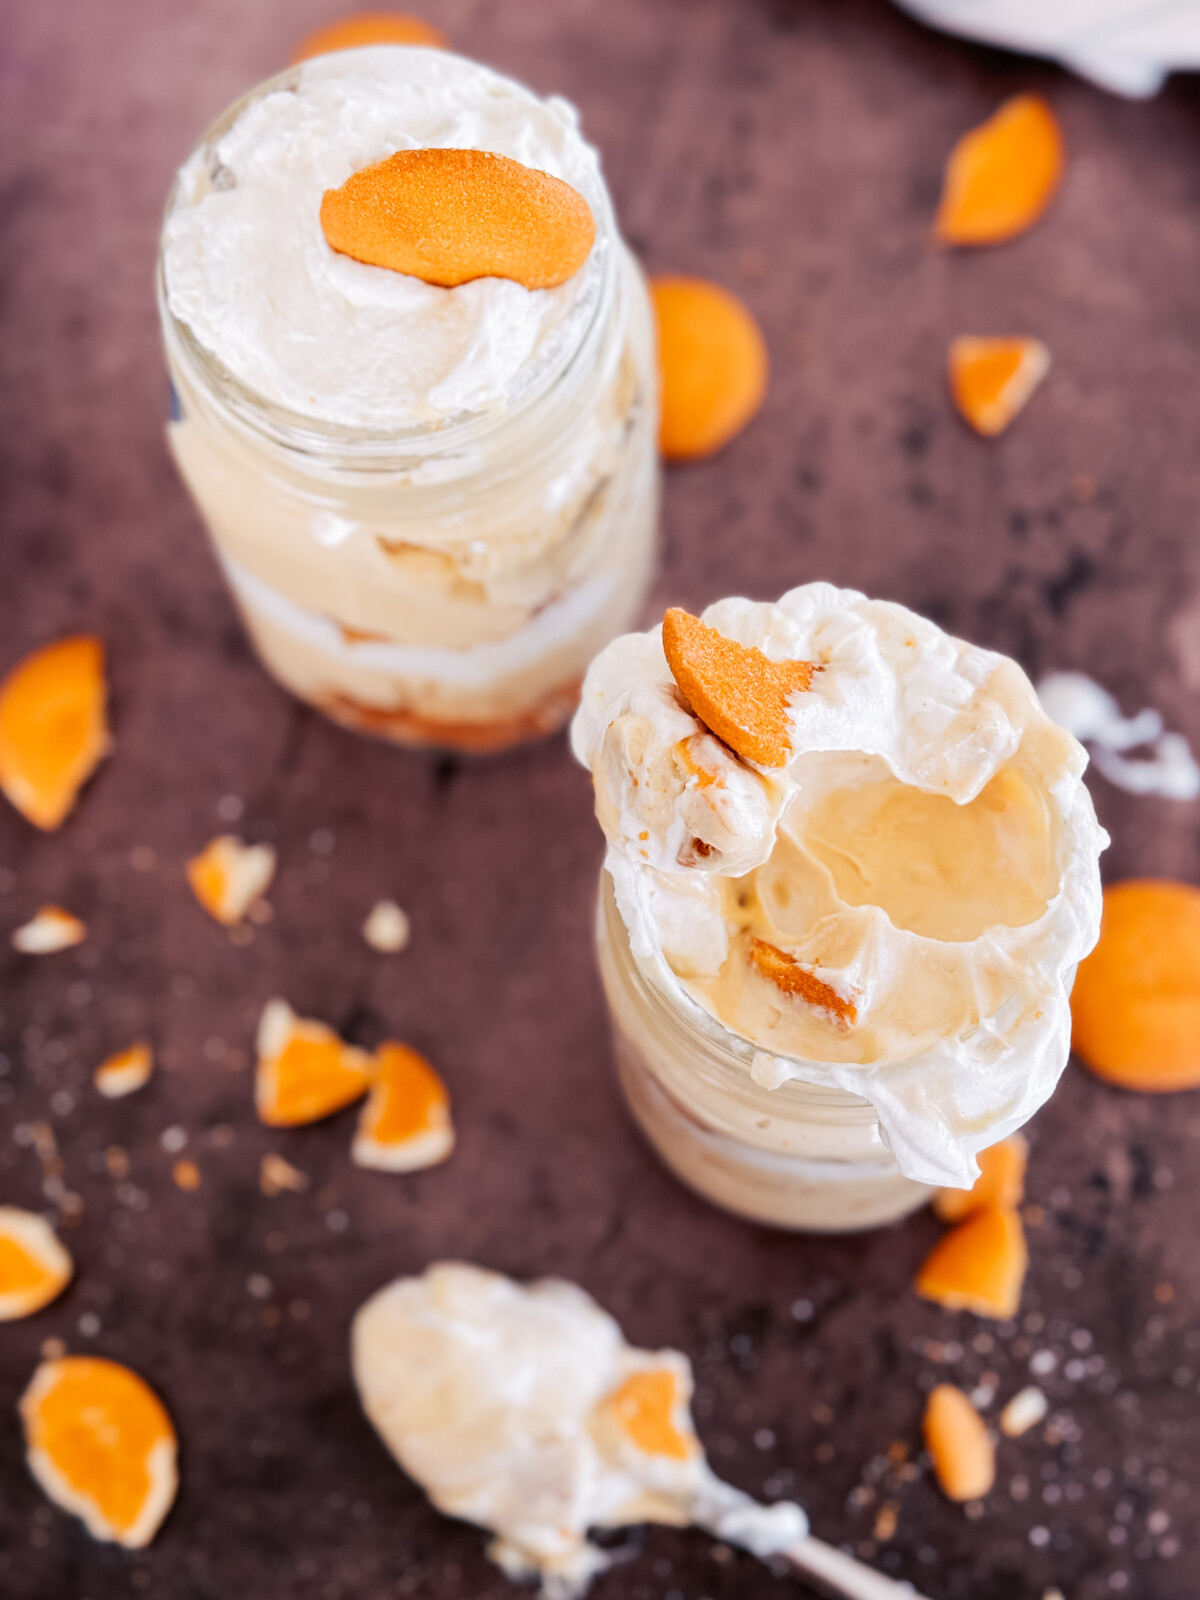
(978, 1266)
(102, 1446)
(53, 728)
(227, 877)
(305, 1072)
(992, 379)
(964, 1459)
(386, 928)
(1002, 175)
(449, 216)
(125, 1071)
(34, 1266)
(648, 1408)
(786, 973)
(1024, 1411)
(736, 691)
(50, 930)
(276, 1175)
(1001, 1182)
(405, 1124)
(369, 28)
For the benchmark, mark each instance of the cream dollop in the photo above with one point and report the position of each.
(248, 269)
(522, 1408)
(929, 857)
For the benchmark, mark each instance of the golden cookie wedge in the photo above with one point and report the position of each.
(992, 379)
(1002, 175)
(34, 1266)
(405, 1124)
(963, 1456)
(305, 1072)
(799, 983)
(53, 727)
(450, 216)
(100, 1443)
(734, 689)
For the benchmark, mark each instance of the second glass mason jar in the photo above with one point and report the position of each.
(442, 585)
(800, 1156)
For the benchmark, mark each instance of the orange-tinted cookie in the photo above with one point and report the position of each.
(368, 28)
(645, 1408)
(1001, 176)
(1135, 1008)
(735, 690)
(1001, 1182)
(305, 1072)
(227, 877)
(34, 1266)
(125, 1071)
(992, 379)
(712, 360)
(786, 973)
(405, 1124)
(102, 1446)
(449, 216)
(978, 1266)
(964, 1459)
(53, 727)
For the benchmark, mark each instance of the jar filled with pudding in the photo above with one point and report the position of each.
(851, 869)
(433, 505)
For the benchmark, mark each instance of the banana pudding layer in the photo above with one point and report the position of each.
(889, 899)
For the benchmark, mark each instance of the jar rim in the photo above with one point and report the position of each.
(392, 448)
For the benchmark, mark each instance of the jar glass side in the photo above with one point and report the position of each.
(800, 1156)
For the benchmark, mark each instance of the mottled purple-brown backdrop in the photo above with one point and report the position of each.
(792, 151)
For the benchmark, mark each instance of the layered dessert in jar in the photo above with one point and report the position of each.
(434, 501)
(852, 866)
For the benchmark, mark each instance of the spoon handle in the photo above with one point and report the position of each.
(842, 1573)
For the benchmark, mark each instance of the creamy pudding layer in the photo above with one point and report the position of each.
(898, 911)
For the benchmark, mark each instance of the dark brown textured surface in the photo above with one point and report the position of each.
(792, 151)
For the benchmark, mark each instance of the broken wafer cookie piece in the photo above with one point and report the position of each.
(228, 876)
(53, 727)
(450, 216)
(736, 691)
(305, 1072)
(1002, 175)
(956, 1436)
(102, 1446)
(405, 1124)
(992, 379)
(52, 929)
(978, 1266)
(35, 1267)
(125, 1071)
(799, 982)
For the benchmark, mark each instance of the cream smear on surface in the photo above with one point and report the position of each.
(929, 855)
(249, 272)
(1077, 703)
(513, 1406)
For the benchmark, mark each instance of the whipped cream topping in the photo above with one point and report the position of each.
(248, 269)
(1079, 704)
(927, 863)
(522, 1409)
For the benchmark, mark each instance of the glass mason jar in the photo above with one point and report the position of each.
(438, 585)
(800, 1156)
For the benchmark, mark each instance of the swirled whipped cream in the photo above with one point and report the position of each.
(522, 1409)
(899, 908)
(248, 270)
